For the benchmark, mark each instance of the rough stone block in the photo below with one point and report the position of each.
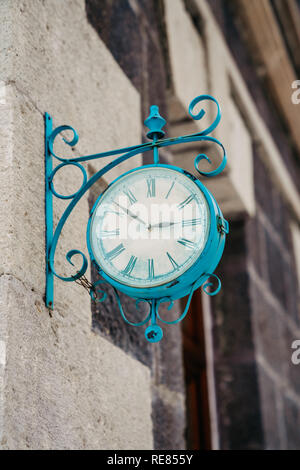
(130, 31)
(268, 331)
(79, 392)
(276, 269)
(295, 233)
(292, 422)
(256, 244)
(170, 371)
(22, 189)
(232, 327)
(240, 425)
(271, 412)
(89, 92)
(262, 183)
(118, 26)
(186, 53)
(168, 413)
(241, 166)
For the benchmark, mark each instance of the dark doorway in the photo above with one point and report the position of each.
(198, 433)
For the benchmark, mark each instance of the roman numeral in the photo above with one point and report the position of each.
(150, 268)
(151, 187)
(171, 187)
(187, 243)
(130, 195)
(129, 268)
(109, 233)
(115, 252)
(172, 261)
(191, 222)
(186, 201)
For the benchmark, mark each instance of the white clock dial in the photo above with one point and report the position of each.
(149, 227)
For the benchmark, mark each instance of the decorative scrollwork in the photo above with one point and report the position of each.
(171, 303)
(69, 256)
(94, 296)
(203, 156)
(201, 136)
(55, 133)
(202, 112)
(129, 151)
(208, 284)
(56, 169)
(205, 132)
(143, 322)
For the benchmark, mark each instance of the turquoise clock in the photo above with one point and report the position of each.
(153, 230)
(156, 233)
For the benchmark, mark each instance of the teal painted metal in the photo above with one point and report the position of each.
(48, 212)
(199, 273)
(155, 123)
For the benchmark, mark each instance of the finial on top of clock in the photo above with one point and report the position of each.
(155, 123)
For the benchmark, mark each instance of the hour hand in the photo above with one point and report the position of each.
(163, 224)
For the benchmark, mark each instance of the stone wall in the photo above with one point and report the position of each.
(276, 320)
(131, 31)
(256, 317)
(255, 257)
(62, 385)
(78, 376)
(255, 321)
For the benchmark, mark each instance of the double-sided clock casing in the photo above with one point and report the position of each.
(200, 269)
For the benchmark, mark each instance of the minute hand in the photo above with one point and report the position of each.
(131, 214)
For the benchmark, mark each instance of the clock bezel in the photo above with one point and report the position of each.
(198, 272)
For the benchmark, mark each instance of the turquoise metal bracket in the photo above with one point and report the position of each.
(48, 213)
(155, 123)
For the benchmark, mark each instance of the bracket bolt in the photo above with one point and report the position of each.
(153, 333)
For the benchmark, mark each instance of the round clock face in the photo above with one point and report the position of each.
(149, 227)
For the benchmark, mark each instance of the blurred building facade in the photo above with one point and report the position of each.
(79, 377)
